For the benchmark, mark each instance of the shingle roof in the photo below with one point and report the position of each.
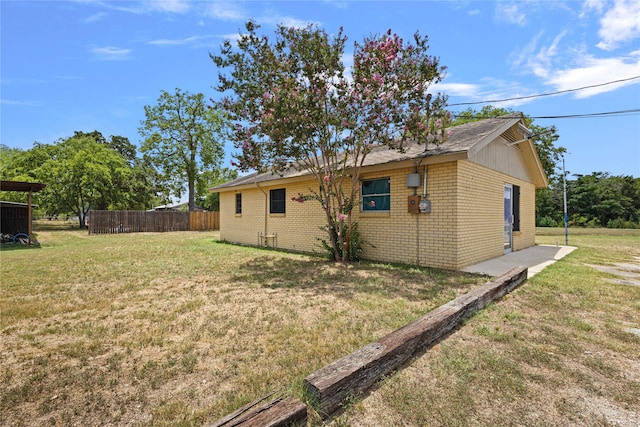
(462, 139)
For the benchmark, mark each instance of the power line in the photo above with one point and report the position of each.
(588, 115)
(566, 116)
(545, 94)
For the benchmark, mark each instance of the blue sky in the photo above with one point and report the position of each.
(93, 65)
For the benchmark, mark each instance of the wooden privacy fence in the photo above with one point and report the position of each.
(203, 221)
(112, 222)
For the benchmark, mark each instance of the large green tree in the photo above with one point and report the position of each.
(293, 103)
(209, 179)
(182, 139)
(81, 174)
(86, 171)
(11, 170)
(143, 182)
(599, 199)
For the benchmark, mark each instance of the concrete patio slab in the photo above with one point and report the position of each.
(535, 258)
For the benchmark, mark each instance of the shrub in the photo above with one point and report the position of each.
(621, 223)
(547, 221)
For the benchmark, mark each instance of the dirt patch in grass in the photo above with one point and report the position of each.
(625, 273)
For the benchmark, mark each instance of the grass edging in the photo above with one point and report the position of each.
(340, 381)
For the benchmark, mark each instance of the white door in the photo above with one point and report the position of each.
(508, 218)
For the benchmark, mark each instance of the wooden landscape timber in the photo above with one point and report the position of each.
(262, 412)
(362, 369)
(358, 372)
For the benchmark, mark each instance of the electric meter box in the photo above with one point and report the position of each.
(413, 180)
(413, 204)
(424, 206)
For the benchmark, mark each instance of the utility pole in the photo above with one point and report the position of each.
(566, 216)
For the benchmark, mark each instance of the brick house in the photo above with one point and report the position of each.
(468, 200)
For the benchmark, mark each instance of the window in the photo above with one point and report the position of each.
(516, 208)
(238, 203)
(277, 201)
(376, 194)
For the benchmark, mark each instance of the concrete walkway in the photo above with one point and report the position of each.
(535, 259)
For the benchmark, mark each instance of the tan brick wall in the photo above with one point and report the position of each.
(480, 217)
(242, 228)
(425, 239)
(299, 227)
(296, 229)
(481, 213)
(465, 225)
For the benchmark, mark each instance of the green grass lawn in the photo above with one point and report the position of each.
(179, 329)
(560, 350)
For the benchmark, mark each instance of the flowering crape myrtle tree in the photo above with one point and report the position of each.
(293, 104)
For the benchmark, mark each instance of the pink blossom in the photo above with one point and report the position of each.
(372, 204)
(326, 178)
(341, 217)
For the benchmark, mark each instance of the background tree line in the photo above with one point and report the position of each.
(180, 151)
(594, 200)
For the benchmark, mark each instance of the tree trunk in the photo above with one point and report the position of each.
(192, 195)
(346, 254)
(332, 235)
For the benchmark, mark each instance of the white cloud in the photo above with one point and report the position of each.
(511, 13)
(588, 5)
(286, 21)
(459, 89)
(338, 4)
(95, 18)
(566, 64)
(141, 7)
(19, 103)
(620, 24)
(171, 6)
(347, 59)
(110, 53)
(595, 71)
(177, 42)
(226, 11)
(538, 61)
(232, 37)
(488, 89)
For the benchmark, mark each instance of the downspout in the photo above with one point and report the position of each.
(424, 188)
(424, 196)
(266, 203)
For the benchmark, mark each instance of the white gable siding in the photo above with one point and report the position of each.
(500, 157)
